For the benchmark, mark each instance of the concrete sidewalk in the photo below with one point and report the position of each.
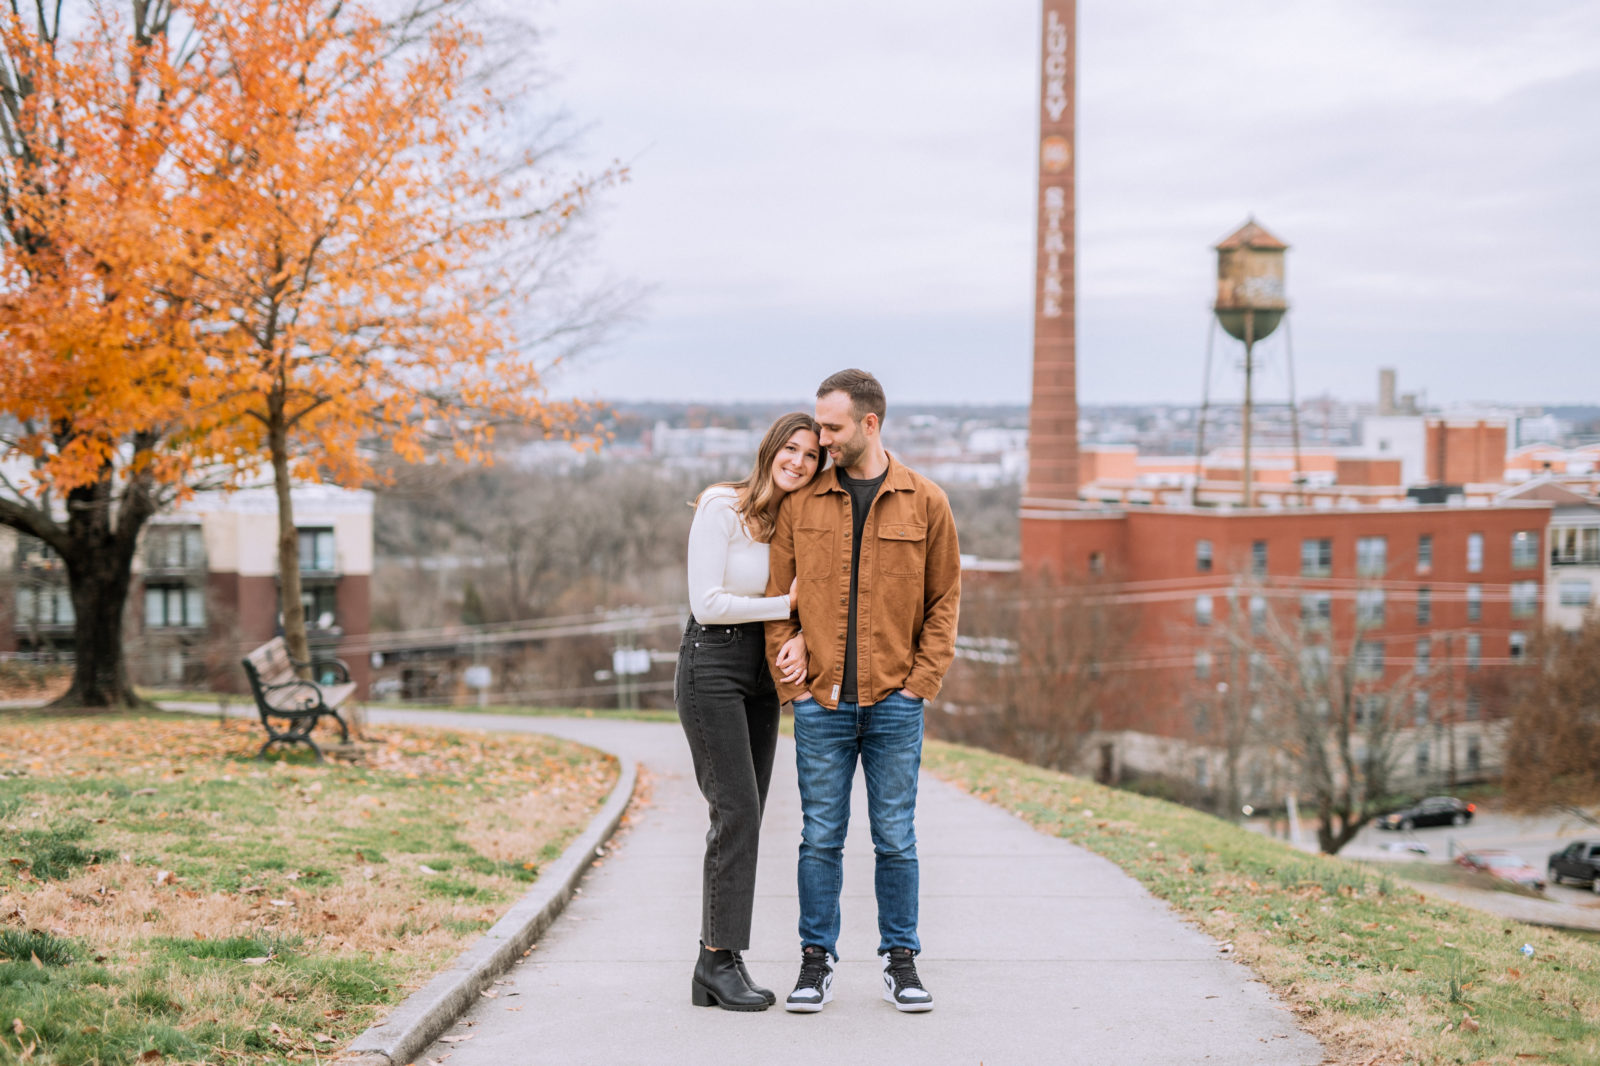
(1036, 951)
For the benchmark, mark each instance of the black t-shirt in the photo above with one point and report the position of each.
(862, 493)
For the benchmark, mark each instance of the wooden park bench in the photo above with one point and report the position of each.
(282, 696)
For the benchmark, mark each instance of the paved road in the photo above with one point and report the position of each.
(1036, 951)
(1533, 837)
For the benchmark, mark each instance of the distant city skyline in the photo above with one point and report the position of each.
(822, 185)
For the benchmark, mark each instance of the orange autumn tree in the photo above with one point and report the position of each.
(96, 306)
(375, 252)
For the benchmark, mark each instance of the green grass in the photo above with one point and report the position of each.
(1373, 969)
(53, 853)
(25, 945)
(160, 891)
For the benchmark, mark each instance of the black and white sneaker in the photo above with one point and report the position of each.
(815, 986)
(901, 985)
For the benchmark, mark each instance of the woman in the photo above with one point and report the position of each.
(726, 698)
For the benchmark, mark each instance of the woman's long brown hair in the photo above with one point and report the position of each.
(758, 497)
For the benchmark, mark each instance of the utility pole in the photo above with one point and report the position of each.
(1250, 304)
(1249, 403)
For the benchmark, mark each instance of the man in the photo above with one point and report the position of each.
(873, 546)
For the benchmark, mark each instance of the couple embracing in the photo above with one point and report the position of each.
(836, 588)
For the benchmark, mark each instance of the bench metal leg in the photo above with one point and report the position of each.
(291, 738)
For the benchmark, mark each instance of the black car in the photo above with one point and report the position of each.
(1580, 861)
(1435, 810)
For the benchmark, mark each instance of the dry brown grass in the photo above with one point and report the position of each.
(261, 905)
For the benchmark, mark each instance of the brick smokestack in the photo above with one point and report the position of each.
(1053, 417)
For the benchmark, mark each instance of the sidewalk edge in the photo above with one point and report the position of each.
(419, 1019)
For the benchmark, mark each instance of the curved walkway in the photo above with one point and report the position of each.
(1035, 950)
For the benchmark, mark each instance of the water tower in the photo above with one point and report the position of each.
(1250, 304)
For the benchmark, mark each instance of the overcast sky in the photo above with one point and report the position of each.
(826, 184)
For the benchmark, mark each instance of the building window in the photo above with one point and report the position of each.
(1424, 606)
(1425, 553)
(1474, 705)
(1202, 665)
(1524, 549)
(1202, 556)
(174, 607)
(1316, 557)
(1258, 614)
(1316, 609)
(174, 548)
(1474, 603)
(1474, 650)
(1258, 558)
(44, 605)
(1366, 709)
(1573, 546)
(1424, 656)
(1202, 610)
(1420, 708)
(1369, 607)
(1315, 661)
(1369, 659)
(1474, 755)
(1097, 562)
(35, 555)
(1422, 758)
(1474, 553)
(1524, 599)
(321, 603)
(1372, 556)
(1574, 594)
(316, 551)
(1519, 647)
(1255, 670)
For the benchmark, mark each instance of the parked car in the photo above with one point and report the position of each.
(1504, 865)
(1580, 861)
(1435, 810)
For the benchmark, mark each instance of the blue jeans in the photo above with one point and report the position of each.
(887, 737)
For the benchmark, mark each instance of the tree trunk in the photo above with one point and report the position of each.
(98, 551)
(100, 583)
(294, 612)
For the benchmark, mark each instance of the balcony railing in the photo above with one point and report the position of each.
(1577, 558)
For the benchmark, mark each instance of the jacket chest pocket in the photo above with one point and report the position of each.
(813, 553)
(902, 548)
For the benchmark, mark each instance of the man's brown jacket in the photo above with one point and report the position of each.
(907, 595)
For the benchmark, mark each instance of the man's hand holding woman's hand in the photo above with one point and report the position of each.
(791, 661)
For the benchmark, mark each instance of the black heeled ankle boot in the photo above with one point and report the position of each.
(718, 982)
(765, 993)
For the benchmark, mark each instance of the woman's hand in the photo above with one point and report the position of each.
(791, 661)
(794, 593)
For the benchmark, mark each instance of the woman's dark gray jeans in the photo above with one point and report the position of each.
(729, 710)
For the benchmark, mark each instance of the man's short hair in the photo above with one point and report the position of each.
(866, 395)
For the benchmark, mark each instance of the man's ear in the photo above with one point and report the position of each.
(871, 419)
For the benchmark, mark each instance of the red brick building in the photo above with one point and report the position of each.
(1447, 599)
